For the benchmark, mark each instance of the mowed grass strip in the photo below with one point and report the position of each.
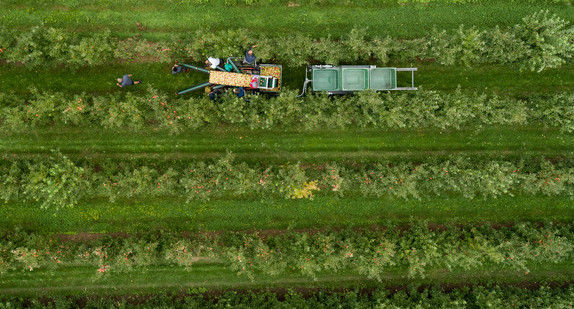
(161, 19)
(173, 214)
(101, 79)
(285, 145)
(68, 280)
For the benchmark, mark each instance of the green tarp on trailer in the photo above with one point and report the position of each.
(354, 79)
(327, 80)
(383, 79)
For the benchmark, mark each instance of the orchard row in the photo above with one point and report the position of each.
(416, 110)
(368, 253)
(458, 298)
(540, 42)
(59, 182)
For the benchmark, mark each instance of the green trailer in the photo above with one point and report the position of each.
(350, 78)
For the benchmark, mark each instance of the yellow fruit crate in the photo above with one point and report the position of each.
(229, 79)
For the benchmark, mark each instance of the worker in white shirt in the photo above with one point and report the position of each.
(213, 62)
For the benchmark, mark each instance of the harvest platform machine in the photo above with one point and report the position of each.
(350, 78)
(253, 78)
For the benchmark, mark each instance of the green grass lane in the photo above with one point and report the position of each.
(502, 80)
(173, 214)
(99, 79)
(284, 145)
(80, 280)
(163, 19)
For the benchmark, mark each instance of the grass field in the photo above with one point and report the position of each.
(163, 19)
(283, 145)
(133, 217)
(213, 276)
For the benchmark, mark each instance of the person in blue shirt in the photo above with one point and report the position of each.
(249, 56)
(240, 92)
(127, 81)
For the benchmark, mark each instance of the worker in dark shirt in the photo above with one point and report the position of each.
(239, 92)
(127, 81)
(249, 56)
(178, 68)
(214, 94)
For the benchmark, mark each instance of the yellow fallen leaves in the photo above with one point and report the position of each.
(305, 191)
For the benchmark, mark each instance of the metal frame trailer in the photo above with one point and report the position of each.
(350, 78)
